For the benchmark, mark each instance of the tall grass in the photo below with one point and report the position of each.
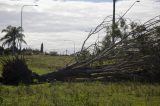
(76, 94)
(81, 94)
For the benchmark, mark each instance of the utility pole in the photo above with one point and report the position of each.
(113, 23)
(22, 20)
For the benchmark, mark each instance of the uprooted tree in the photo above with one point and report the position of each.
(134, 54)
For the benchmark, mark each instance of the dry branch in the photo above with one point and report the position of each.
(133, 64)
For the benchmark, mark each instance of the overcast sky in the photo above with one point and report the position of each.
(54, 21)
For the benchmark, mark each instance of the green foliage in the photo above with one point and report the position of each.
(29, 51)
(1, 50)
(53, 53)
(15, 71)
(84, 55)
(122, 29)
(136, 42)
(7, 51)
(13, 38)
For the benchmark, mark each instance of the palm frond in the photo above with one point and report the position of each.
(23, 41)
(13, 35)
(5, 30)
(19, 29)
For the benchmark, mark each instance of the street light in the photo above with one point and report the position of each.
(22, 14)
(113, 23)
(73, 44)
(128, 9)
(22, 18)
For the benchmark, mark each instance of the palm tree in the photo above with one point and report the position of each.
(13, 38)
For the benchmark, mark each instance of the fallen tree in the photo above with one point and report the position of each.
(135, 54)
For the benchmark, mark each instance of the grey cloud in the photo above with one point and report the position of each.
(9, 18)
(50, 23)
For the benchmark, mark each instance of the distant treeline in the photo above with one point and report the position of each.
(27, 51)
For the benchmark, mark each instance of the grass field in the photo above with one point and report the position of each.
(42, 64)
(81, 94)
(76, 93)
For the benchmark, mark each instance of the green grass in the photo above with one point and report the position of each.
(76, 94)
(81, 94)
(42, 64)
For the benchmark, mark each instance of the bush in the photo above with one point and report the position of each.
(7, 51)
(1, 50)
(15, 71)
(53, 53)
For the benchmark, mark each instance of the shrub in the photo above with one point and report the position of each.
(1, 50)
(7, 51)
(15, 71)
(53, 53)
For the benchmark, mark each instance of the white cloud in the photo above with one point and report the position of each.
(57, 20)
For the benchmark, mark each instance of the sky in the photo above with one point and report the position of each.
(60, 24)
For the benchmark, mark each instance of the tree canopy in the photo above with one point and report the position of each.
(13, 37)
